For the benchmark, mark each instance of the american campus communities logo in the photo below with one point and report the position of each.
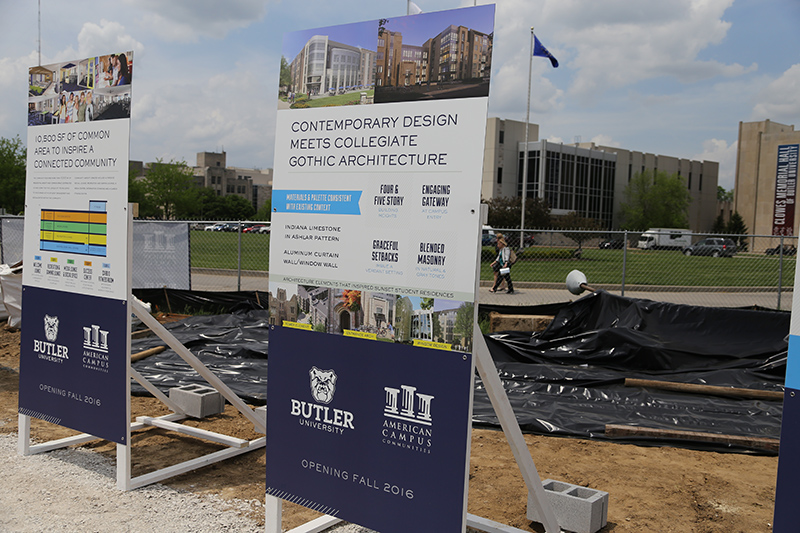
(408, 424)
(49, 350)
(95, 348)
(319, 415)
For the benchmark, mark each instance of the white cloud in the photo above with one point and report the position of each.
(605, 140)
(108, 36)
(725, 154)
(780, 100)
(175, 120)
(189, 20)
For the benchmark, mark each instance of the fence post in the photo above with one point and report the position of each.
(624, 260)
(239, 258)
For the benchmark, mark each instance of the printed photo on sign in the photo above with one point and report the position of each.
(96, 88)
(433, 56)
(326, 67)
(419, 321)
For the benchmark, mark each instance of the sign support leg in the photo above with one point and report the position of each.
(24, 435)
(508, 421)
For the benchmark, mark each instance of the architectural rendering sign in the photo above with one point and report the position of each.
(73, 368)
(375, 229)
(785, 190)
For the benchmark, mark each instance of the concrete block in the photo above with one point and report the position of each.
(197, 401)
(261, 412)
(577, 509)
(526, 323)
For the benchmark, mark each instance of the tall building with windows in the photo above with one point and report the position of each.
(325, 66)
(457, 53)
(252, 184)
(584, 177)
(765, 194)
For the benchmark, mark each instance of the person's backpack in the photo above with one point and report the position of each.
(512, 258)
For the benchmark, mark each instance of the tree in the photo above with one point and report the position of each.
(137, 194)
(237, 208)
(12, 175)
(574, 221)
(719, 225)
(738, 230)
(265, 212)
(438, 335)
(724, 195)
(425, 303)
(171, 188)
(286, 73)
(463, 324)
(505, 212)
(655, 201)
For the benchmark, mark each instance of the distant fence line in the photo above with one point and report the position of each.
(234, 255)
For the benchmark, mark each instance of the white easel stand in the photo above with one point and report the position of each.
(235, 446)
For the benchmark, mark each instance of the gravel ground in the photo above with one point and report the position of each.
(73, 490)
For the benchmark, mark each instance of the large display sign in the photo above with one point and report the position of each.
(785, 190)
(73, 367)
(378, 162)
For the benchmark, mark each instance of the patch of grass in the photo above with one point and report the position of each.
(217, 249)
(551, 264)
(653, 267)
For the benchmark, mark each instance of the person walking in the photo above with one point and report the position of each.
(502, 265)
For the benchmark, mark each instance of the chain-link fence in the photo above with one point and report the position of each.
(697, 269)
(679, 267)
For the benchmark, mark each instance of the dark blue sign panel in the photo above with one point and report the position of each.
(357, 427)
(73, 361)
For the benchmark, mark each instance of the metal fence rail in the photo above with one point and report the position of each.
(235, 256)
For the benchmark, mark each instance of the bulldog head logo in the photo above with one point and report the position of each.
(51, 327)
(323, 384)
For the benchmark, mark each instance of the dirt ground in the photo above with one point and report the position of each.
(651, 489)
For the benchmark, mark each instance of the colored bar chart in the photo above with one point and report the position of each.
(78, 232)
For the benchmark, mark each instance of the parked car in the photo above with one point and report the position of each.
(713, 246)
(255, 228)
(788, 249)
(612, 244)
(512, 239)
(488, 238)
(213, 227)
(263, 229)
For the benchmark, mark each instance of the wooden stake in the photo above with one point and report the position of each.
(758, 443)
(733, 392)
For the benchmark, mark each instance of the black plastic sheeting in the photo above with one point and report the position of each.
(567, 380)
(233, 346)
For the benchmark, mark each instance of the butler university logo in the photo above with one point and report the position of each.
(51, 327)
(323, 384)
(49, 350)
(319, 415)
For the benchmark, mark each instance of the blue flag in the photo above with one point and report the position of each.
(541, 51)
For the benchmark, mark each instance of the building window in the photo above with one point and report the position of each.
(502, 136)
(690, 182)
(700, 183)
(499, 175)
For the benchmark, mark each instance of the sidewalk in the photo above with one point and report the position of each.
(526, 294)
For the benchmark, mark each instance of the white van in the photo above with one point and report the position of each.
(665, 239)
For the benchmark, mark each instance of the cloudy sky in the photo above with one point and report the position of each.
(672, 78)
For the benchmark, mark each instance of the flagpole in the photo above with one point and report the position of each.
(525, 148)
